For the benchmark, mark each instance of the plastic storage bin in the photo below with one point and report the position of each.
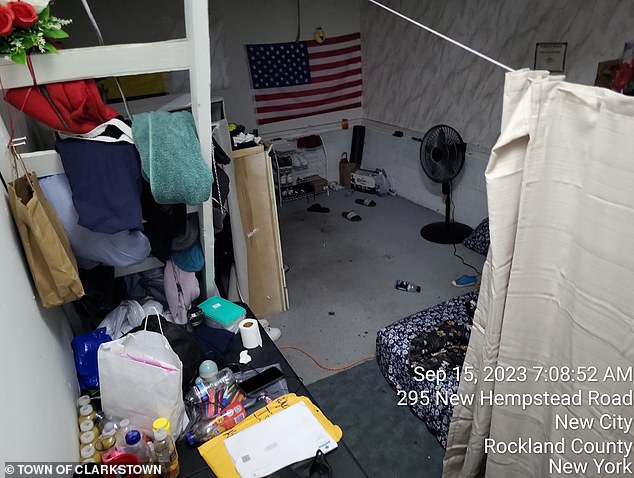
(222, 314)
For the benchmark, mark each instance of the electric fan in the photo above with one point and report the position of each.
(442, 154)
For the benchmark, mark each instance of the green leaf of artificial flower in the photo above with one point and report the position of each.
(50, 48)
(44, 14)
(55, 33)
(28, 41)
(19, 57)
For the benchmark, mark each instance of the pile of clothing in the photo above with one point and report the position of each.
(124, 190)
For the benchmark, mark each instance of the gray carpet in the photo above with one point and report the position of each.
(387, 439)
(342, 273)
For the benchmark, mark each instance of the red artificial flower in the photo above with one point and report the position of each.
(25, 16)
(6, 21)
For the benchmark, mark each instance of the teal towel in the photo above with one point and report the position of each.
(171, 158)
(189, 260)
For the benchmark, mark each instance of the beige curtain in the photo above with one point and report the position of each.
(556, 291)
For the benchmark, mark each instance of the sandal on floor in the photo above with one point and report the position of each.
(366, 202)
(465, 281)
(318, 208)
(351, 216)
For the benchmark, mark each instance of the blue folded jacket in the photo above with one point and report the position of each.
(106, 183)
(171, 157)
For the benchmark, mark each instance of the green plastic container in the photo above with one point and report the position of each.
(222, 314)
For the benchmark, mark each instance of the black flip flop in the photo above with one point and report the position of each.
(351, 216)
(366, 202)
(318, 208)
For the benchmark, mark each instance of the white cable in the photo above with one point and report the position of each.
(444, 37)
(101, 42)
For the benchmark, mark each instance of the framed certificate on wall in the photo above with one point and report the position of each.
(551, 57)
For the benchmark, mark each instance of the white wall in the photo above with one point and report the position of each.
(39, 386)
(271, 21)
(415, 80)
(399, 157)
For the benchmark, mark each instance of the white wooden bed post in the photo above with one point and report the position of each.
(191, 53)
(197, 28)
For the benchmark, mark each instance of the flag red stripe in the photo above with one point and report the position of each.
(316, 112)
(308, 104)
(335, 76)
(340, 51)
(316, 91)
(336, 64)
(335, 40)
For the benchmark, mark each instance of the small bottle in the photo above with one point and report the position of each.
(83, 401)
(88, 451)
(101, 418)
(200, 392)
(195, 317)
(161, 422)
(406, 286)
(135, 445)
(88, 426)
(87, 438)
(206, 371)
(107, 439)
(124, 427)
(166, 454)
(86, 412)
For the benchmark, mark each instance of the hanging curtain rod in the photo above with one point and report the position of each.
(444, 37)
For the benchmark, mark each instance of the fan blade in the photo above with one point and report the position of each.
(442, 137)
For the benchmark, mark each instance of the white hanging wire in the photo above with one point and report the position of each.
(444, 37)
(101, 42)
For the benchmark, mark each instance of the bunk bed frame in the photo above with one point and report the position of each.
(191, 53)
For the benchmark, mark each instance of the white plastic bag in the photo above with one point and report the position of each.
(129, 315)
(141, 379)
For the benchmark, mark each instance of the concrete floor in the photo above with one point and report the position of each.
(342, 273)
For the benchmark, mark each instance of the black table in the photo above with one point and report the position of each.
(341, 460)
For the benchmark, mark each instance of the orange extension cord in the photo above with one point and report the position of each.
(338, 369)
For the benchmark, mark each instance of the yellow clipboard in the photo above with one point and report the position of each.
(215, 453)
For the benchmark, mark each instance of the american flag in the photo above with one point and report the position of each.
(297, 79)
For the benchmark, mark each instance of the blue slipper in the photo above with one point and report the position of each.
(465, 281)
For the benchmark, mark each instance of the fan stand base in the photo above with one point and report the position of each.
(445, 233)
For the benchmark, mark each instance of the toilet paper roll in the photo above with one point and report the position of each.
(250, 333)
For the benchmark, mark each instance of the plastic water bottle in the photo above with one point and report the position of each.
(201, 392)
(124, 427)
(166, 454)
(102, 419)
(135, 445)
(406, 286)
(206, 371)
(204, 429)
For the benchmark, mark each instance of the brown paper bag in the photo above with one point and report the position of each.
(46, 246)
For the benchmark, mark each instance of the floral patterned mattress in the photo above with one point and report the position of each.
(393, 352)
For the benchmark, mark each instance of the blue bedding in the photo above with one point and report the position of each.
(393, 354)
